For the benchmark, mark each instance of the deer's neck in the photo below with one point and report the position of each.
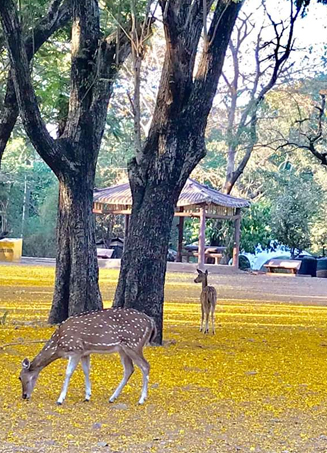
(46, 356)
(205, 282)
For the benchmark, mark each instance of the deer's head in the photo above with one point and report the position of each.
(201, 276)
(28, 379)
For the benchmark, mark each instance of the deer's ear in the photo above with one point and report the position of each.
(206, 272)
(26, 364)
(199, 271)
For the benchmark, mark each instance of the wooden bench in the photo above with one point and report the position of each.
(217, 256)
(290, 265)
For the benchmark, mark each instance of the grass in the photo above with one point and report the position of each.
(258, 385)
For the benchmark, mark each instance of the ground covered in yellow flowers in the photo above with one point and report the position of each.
(258, 385)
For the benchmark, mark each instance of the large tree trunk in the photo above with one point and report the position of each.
(143, 266)
(144, 262)
(174, 146)
(76, 287)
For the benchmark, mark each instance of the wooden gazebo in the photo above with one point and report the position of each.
(196, 200)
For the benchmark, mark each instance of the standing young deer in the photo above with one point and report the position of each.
(125, 331)
(208, 300)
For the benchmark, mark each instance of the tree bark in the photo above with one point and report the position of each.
(143, 265)
(76, 287)
(230, 169)
(9, 116)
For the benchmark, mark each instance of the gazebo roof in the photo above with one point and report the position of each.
(196, 193)
(193, 193)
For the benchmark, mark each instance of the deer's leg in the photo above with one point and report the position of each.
(207, 320)
(72, 364)
(213, 319)
(128, 371)
(202, 317)
(86, 369)
(144, 366)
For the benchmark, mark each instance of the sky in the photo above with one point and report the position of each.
(312, 29)
(309, 31)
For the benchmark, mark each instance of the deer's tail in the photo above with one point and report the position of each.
(154, 331)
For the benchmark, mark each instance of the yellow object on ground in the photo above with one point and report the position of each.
(258, 385)
(11, 249)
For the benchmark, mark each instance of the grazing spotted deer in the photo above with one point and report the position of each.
(208, 300)
(125, 331)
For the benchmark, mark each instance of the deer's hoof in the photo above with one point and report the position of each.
(59, 403)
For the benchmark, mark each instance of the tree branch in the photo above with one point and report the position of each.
(176, 78)
(84, 65)
(312, 139)
(26, 98)
(181, 48)
(210, 66)
(249, 115)
(58, 15)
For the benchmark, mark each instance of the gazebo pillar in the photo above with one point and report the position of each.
(202, 238)
(180, 226)
(237, 236)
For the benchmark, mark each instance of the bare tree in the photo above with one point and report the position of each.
(308, 132)
(73, 156)
(246, 90)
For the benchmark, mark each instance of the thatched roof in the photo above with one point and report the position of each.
(192, 194)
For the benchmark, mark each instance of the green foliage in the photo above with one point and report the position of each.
(40, 231)
(116, 150)
(256, 226)
(51, 81)
(117, 13)
(294, 212)
(191, 230)
(319, 233)
(30, 180)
